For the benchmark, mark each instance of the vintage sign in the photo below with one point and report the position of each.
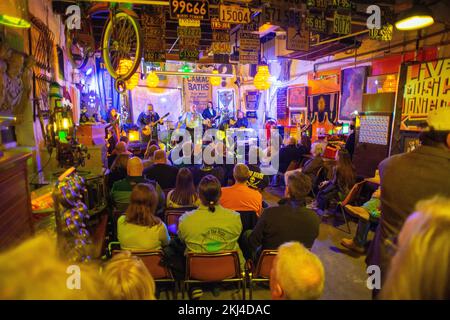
(221, 36)
(382, 34)
(340, 4)
(252, 100)
(297, 38)
(248, 41)
(342, 24)
(248, 57)
(153, 27)
(189, 54)
(216, 24)
(317, 4)
(281, 14)
(316, 23)
(186, 43)
(189, 32)
(234, 14)
(188, 23)
(221, 47)
(197, 91)
(426, 89)
(189, 9)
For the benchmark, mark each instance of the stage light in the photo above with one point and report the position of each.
(14, 22)
(89, 71)
(152, 80)
(163, 99)
(215, 81)
(65, 123)
(262, 78)
(417, 17)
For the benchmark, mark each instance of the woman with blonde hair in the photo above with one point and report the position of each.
(139, 228)
(420, 268)
(127, 278)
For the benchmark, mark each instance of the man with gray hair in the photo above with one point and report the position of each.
(291, 221)
(240, 197)
(297, 274)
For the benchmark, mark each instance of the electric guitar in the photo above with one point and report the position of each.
(211, 122)
(147, 130)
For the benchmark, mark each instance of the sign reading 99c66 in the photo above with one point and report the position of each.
(189, 9)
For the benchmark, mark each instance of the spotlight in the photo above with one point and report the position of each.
(417, 17)
(88, 72)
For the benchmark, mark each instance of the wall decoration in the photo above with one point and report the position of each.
(153, 28)
(381, 84)
(410, 142)
(298, 117)
(426, 89)
(226, 100)
(252, 100)
(321, 104)
(297, 97)
(353, 83)
(282, 109)
(374, 129)
(197, 91)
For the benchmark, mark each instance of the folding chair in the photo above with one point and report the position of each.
(172, 217)
(213, 267)
(262, 271)
(349, 198)
(153, 261)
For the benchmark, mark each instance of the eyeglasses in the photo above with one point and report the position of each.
(391, 245)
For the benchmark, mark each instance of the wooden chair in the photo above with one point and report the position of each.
(153, 261)
(172, 217)
(213, 267)
(348, 199)
(262, 271)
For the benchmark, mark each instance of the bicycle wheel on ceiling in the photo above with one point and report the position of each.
(122, 42)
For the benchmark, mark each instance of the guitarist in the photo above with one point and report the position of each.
(210, 115)
(147, 121)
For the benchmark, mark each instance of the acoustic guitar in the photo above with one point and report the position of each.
(209, 123)
(147, 130)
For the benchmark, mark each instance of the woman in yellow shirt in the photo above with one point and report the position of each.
(184, 194)
(139, 228)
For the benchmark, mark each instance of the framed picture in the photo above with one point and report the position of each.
(321, 104)
(383, 83)
(252, 100)
(410, 141)
(226, 100)
(297, 97)
(352, 89)
(297, 116)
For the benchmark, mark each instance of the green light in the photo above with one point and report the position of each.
(14, 21)
(62, 136)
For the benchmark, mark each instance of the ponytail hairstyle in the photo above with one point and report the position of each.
(209, 190)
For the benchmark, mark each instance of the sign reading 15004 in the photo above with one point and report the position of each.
(234, 14)
(189, 9)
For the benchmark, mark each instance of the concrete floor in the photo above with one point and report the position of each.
(345, 272)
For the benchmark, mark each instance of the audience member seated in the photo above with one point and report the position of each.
(121, 190)
(297, 274)
(291, 221)
(420, 268)
(35, 270)
(204, 170)
(290, 152)
(257, 180)
(118, 169)
(163, 173)
(139, 228)
(184, 194)
(148, 155)
(211, 228)
(240, 197)
(337, 188)
(312, 166)
(367, 214)
(127, 278)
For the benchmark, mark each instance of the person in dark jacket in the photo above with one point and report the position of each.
(408, 178)
(291, 221)
(291, 152)
(350, 143)
(164, 173)
(312, 166)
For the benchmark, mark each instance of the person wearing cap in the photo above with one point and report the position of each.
(408, 178)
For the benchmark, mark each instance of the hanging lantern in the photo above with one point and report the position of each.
(124, 66)
(262, 78)
(152, 80)
(215, 81)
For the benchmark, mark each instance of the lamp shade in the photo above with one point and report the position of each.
(215, 81)
(417, 17)
(262, 78)
(124, 66)
(152, 80)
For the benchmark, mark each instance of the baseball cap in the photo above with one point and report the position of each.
(439, 119)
